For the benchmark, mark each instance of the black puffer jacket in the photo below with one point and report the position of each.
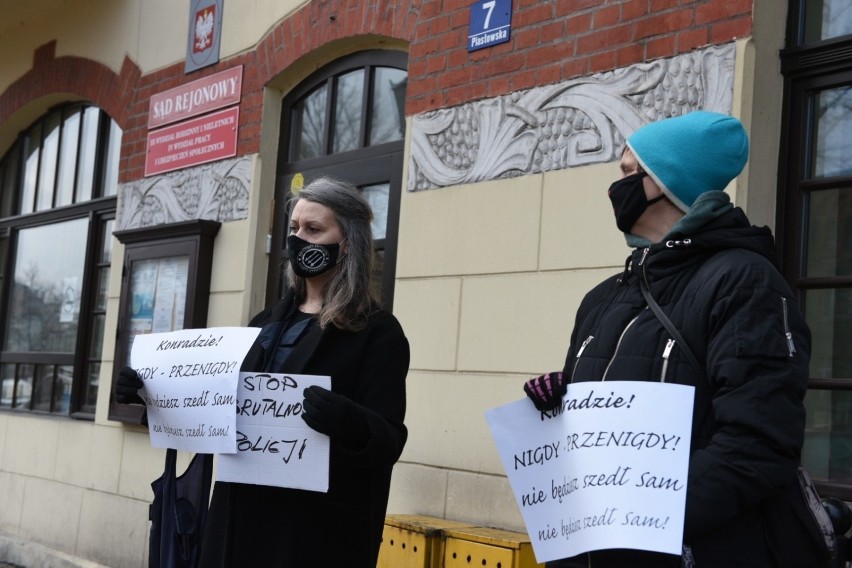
(721, 289)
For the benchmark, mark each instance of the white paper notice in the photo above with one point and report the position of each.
(274, 445)
(190, 385)
(606, 470)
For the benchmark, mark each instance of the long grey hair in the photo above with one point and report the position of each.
(348, 297)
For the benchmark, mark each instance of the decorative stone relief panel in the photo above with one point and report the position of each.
(577, 122)
(218, 191)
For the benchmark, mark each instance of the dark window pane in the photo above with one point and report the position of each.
(68, 159)
(92, 374)
(113, 149)
(825, 19)
(47, 167)
(828, 435)
(62, 389)
(24, 386)
(378, 271)
(829, 315)
(833, 134)
(46, 291)
(7, 385)
(348, 111)
(4, 251)
(377, 197)
(43, 391)
(101, 293)
(96, 339)
(829, 233)
(8, 182)
(32, 145)
(388, 116)
(309, 125)
(88, 154)
(106, 241)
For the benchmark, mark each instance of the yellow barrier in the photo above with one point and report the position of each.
(415, 541)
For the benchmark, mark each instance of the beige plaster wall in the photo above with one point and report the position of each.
(77, 487)
(489, 277)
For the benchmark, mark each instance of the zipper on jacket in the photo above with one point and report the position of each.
(667, 351)
(644, 254)
(644, 275)
(617, 345)
(790, 346)
(580, 352)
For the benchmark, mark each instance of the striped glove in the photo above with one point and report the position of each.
(546, 391)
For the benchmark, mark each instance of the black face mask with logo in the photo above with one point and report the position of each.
(628, 200)
(310, 259)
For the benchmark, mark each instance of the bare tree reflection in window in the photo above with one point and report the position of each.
(309, 119)
(347, 111)
(388, 109)
(833, 125)
(50, 261)
(826, 19)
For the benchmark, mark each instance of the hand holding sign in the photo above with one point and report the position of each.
(127, 387)
(332, 414)
(274, 445)
(546, 391)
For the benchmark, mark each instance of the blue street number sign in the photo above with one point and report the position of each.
(490, 23)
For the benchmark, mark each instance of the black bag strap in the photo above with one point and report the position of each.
(670, 327)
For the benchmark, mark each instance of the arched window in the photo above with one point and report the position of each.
(57, 204)
(346, 120)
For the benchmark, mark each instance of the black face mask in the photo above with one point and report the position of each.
(629, 201)
(309, 259)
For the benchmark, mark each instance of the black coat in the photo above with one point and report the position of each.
(721, 289)
(255, 525)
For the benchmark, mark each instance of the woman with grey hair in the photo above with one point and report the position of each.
(329, 323)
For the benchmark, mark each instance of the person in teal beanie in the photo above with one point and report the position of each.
(739, 338)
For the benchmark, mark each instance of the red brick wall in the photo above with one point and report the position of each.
(552, 40)
(555, 40)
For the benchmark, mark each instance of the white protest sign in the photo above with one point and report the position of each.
(190, 385)
(608, 469)
(274, 445)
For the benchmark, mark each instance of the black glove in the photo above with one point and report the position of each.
(126, 386)
(334, 415)
(546, 391)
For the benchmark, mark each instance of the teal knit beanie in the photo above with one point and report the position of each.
(691, 154)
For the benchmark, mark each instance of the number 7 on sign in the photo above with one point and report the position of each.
(490, 23)
(488, 7)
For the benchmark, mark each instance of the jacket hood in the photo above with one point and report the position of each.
(686, 246)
